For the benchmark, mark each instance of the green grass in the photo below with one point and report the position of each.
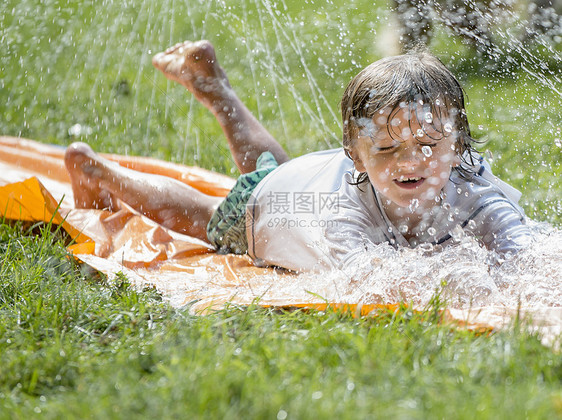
(73, 344)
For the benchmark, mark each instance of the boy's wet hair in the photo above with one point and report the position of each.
(413, 79)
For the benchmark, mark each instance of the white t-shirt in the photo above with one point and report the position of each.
(307, 216)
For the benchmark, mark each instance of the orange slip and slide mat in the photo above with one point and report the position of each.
(34, 186)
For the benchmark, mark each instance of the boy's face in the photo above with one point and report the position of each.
(407, 157)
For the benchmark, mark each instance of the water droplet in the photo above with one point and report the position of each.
(457, 233)
(403, 228)
(281, 415)
(414, 204)
(448, 127)
(316, 395)
(558, 143)
(428, 117)
(426, 247)
(431, 231)
(426, 150)
(79, 130)
(419, 133)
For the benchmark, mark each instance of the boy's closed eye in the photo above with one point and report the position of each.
(382, 149)
(423, 144)
(383, 145)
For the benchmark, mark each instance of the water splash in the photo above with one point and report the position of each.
(465, 274)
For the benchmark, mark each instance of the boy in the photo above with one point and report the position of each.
(407, 174)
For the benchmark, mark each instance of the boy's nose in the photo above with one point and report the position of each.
(408, 158)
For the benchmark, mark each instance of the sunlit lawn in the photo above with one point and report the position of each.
(72, 345)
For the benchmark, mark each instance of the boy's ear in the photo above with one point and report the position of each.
(356, 160)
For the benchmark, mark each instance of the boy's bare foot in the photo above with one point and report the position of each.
(86, 169)
(194, 65)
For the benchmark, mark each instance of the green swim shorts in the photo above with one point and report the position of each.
(227, 228)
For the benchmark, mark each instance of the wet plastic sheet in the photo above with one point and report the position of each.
(34, 186)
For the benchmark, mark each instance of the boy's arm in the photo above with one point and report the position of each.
(501, 227)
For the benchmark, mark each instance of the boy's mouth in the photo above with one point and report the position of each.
(409, 182)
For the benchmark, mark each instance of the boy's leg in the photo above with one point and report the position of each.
(96, 182)
(194, 65)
